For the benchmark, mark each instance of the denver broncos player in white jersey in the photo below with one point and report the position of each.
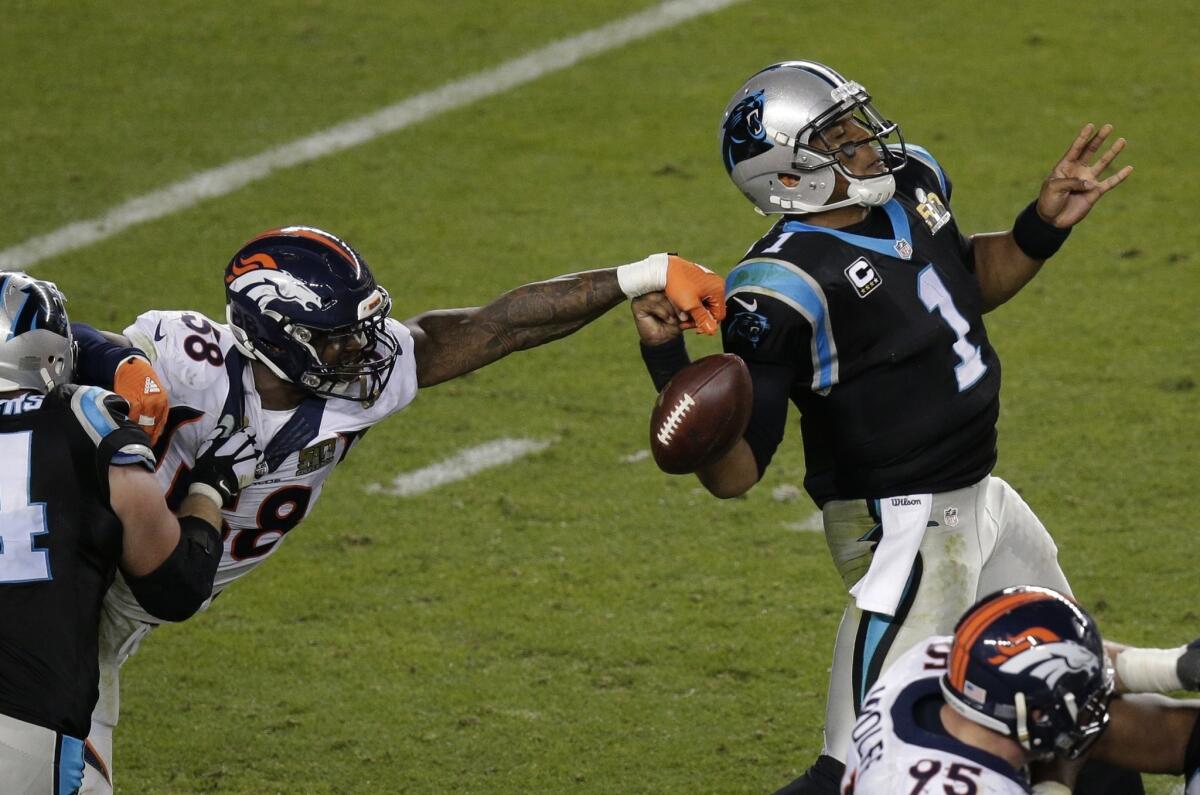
(309, 360)
(1024, 678)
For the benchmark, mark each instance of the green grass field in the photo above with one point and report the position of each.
(574, 622)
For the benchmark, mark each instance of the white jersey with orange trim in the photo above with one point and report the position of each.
(898, 744)
(192, 355)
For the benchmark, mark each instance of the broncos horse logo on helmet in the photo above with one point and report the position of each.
(277, 288)
(296, 293)
(1029, 663)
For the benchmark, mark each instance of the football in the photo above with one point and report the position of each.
(701, 413)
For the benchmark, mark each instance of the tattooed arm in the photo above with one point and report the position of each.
(451, 342)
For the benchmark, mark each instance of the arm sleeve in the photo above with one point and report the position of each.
(98, 358)
(768, 419)
(181, 584)
(768, 339)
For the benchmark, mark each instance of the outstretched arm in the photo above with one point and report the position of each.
(451, 342)
(111, 361)
(1006, 261)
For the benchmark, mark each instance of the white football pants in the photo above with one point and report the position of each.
(35, 760)
(986, 538)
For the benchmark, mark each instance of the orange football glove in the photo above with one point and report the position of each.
(698, 291)
(136, 381)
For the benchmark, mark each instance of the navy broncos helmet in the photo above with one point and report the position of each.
(37, 350)
(1029, 663)
(305, 304)
(772, 126)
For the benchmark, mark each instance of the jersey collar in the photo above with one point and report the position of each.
(907, 729)
(295, 434)
(899, 246)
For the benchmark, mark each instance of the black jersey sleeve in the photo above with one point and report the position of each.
(767, 332)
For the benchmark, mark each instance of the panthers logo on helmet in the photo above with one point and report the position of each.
(745, 137)
(268, 288)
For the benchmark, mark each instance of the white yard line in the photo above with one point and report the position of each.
(237, 174)
(461, 466)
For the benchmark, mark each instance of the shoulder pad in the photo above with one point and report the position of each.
(782, 280)
(928, 168)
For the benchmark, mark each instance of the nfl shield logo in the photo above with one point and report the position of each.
(904, 249)
(950, 517)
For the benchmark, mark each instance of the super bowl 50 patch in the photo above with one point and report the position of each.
(317, 456)
(931, 208)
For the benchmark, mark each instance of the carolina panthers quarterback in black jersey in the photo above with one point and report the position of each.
(863, 306)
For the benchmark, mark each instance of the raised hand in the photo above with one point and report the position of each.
(1075, 184)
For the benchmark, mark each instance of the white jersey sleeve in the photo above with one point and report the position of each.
(893, 751)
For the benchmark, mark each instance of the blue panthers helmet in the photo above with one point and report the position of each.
(772, 126)
(37, 350)
(1029, 663)
(304, 303)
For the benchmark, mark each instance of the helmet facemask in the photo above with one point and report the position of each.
(352, 362)
(812, 155)
(317, 360)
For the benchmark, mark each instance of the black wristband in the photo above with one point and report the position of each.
(1035, 237)
(665, 360)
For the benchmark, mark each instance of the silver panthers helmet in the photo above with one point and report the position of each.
(36, 348)
(770, 128)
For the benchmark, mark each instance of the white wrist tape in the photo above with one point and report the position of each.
(644, 276)
(205, 490)
(1150, 670)
(1051, 788)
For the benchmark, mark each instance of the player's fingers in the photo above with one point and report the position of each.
(717, 308)
(1064, 185)
(705, 322)
(1109, 156)
(1115, 179)
(1097, 140)
(1076, 148)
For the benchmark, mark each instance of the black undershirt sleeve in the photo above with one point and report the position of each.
(772, 388)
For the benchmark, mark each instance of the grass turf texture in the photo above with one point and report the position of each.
(573, 622)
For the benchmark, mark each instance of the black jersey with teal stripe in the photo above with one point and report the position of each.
(878, 329)
(61, 545)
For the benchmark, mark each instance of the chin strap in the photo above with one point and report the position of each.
(868, 192)
(1022, 721)
(872, 192)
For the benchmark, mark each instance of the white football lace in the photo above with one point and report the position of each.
(671, 423)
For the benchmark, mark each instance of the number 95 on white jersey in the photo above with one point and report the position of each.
(893, 751)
